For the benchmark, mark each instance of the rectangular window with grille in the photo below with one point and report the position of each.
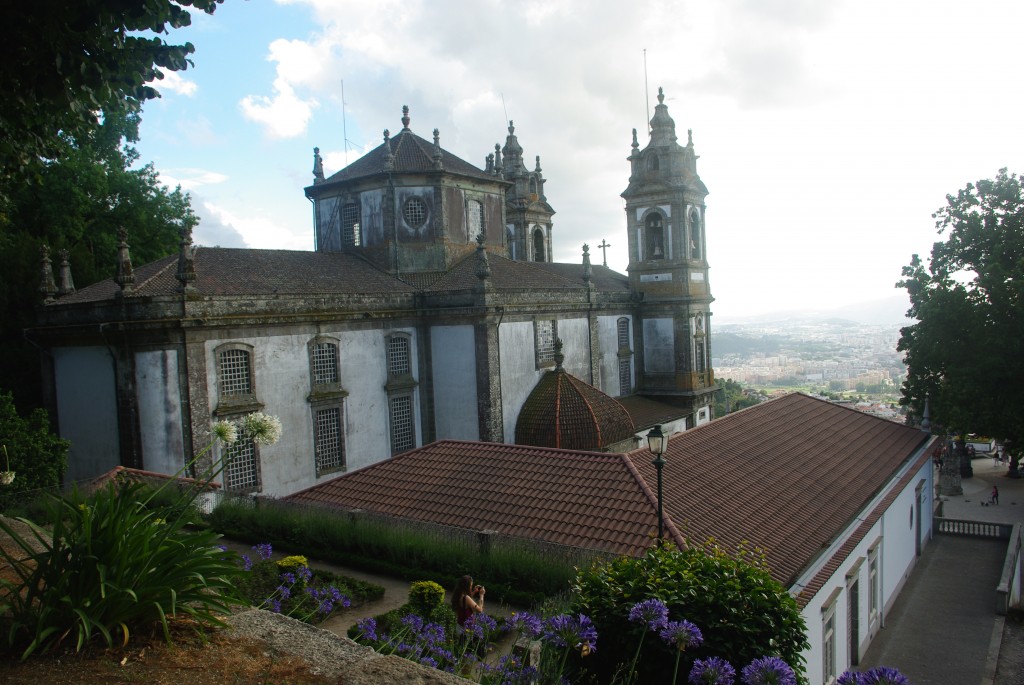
(242, 471)
(402, 433)
(625, 377)
(330, 443)
(702, 363)
(398, 355)
(325, 363)
(545, 333)
(350, 225)
(234, 372)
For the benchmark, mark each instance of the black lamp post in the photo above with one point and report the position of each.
(657, 444)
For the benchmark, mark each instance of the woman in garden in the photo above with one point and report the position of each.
(467, 599)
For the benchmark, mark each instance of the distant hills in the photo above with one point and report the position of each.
(888, 311)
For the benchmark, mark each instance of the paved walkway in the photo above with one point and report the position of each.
(943, 628)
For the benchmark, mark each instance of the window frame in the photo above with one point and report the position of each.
(696, 236)
(400, 386)
(475, 211)
(234, 403)
(544, 357)
(654, 227)
(326, 396)
(351, 229)
(415, 205)
(318, 439)
(624, 353)
(828, 641)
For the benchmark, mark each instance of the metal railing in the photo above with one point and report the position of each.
(1008, 590)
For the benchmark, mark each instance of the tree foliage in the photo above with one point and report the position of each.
(731, 397)
(37, 456)
(743, 613)
(65, 62)
(963, 354)
(77, 204)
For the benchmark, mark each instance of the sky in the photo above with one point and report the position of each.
(828, 132)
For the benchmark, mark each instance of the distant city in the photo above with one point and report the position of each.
(819, 354)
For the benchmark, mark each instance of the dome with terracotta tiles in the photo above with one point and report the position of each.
(565, 412)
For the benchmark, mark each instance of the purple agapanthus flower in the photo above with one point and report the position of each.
(273, 604)
(479, 626)
(428, 661)
(246, 563)
(681, 634)
(433, 634)
(284, 591)
(883, 675)
(288, 577)
(712, 671)
(769, 670)
(304, 573)
(651, 612)
(524, 623)
(263, 550)
(849, 678)
(569, 631)
(367, 628)
(414, 622)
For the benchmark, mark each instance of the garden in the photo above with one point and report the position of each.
(133, 567)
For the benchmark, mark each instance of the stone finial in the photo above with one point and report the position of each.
(537, 168)
(389, 156)
(588, 270)
(438, 165)
(689, 137)
(125, 276)
(66, 283)
(661, 95)
(636, 144)
(405, 116)
(559, 357)
(186, 261)
(511, 127)
(490, 163)
(47, 287)
(483, 266)
(318, 166)
(497, 158)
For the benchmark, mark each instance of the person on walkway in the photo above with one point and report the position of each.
(467, 599)
(995, 495)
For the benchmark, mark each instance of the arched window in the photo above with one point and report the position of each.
(538, 246)
(533, 186)
(695, 235)
(653, 162)
(654, 236)
(475, 211)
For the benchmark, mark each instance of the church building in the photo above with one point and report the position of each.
(430, 309)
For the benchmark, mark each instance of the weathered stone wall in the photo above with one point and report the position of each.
(87, 409)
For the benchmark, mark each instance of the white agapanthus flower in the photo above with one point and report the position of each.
(263, 429)
(226, 432)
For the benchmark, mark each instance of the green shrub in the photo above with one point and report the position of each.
(110, 564)
(744, 614)
(37, 457)
(424, 596)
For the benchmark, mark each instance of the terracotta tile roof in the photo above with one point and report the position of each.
(647, 412)
(603, 278)
(233, 271)
(505, 275)
(787, 475)
(412, 154)
(581, 499)
(563, 411)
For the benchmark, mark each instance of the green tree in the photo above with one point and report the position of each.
(963, 354)
(77, 204)
(731, 397)
(65, 62)
(742, 612)
(37, 457)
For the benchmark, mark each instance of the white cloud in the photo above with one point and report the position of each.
(257, 231)
(174, 83)
(191, 179)
(286, 114)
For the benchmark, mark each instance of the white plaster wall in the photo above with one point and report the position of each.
(282, 381)
(87, 410)
(575, 335)
(453, 357)
(659, 346)
(160, 420)
(519, 374)
(897, 558)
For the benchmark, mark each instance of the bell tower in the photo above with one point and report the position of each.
(668, 269)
